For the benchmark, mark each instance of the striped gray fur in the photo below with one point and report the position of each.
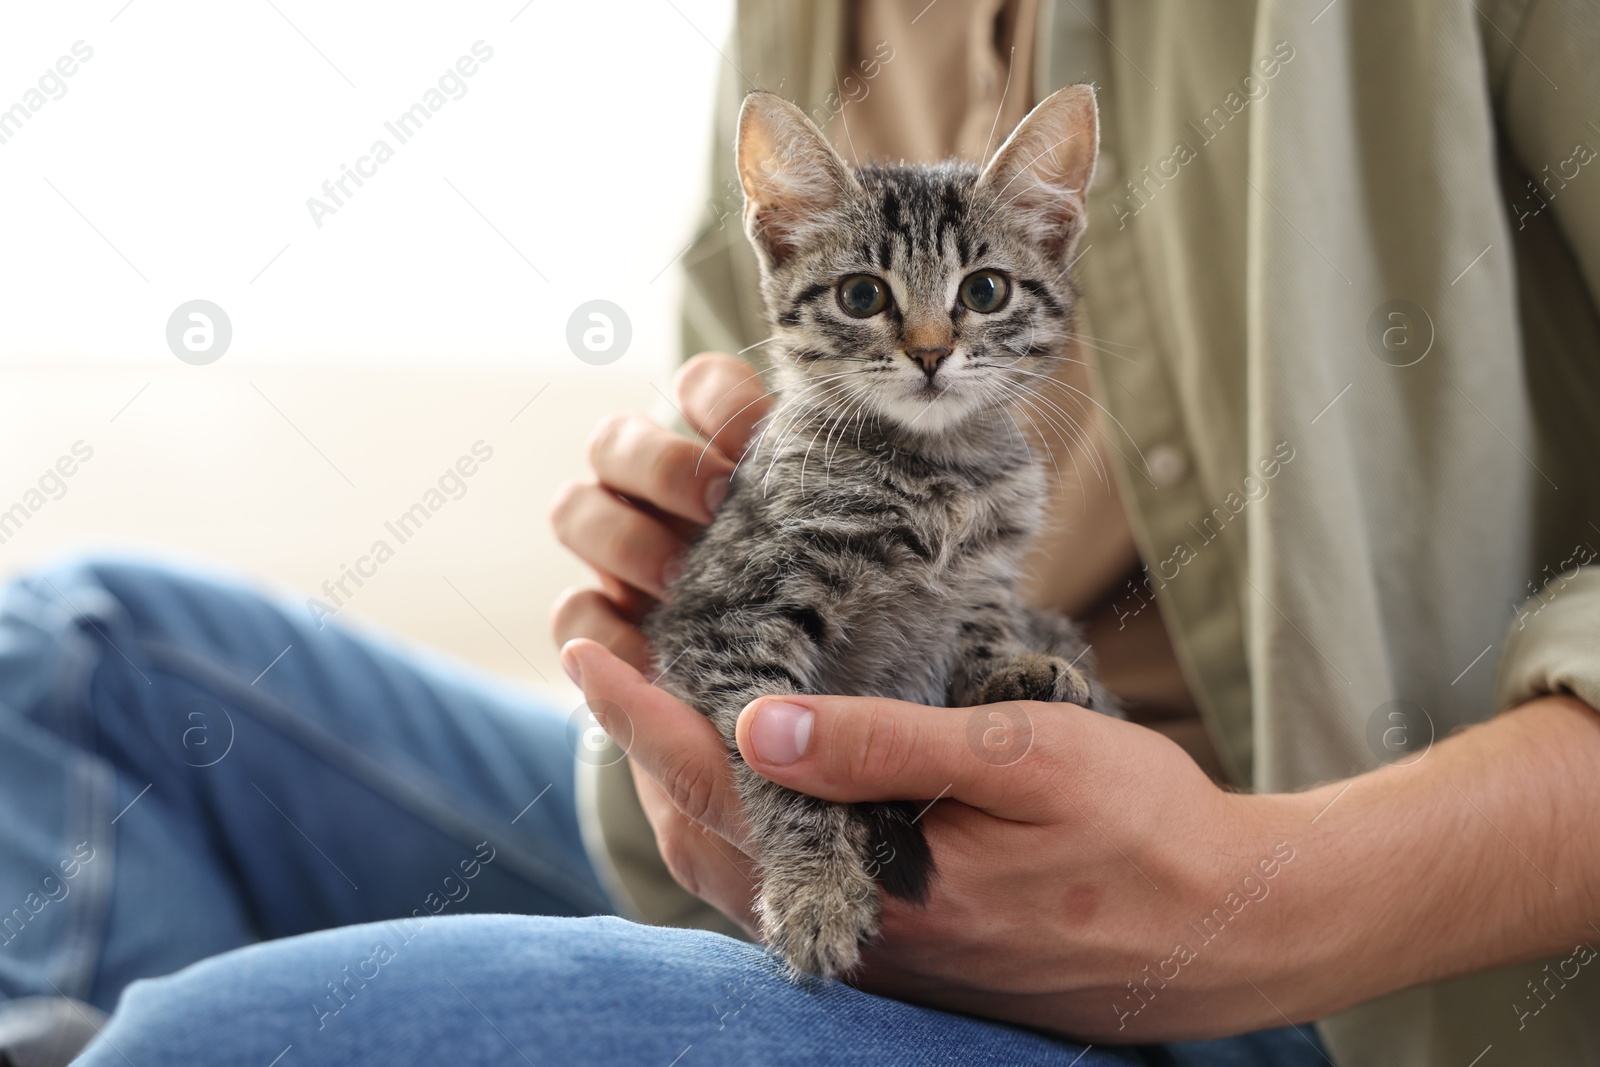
(870, 543)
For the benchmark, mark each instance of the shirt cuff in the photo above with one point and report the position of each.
(1553, 646)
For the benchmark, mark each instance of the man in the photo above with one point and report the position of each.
(1340, 297)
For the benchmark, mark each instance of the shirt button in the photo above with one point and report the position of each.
(1168, 465)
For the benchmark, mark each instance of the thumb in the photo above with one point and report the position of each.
(850, 749)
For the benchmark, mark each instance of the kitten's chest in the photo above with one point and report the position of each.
(898, 621)
(972, 526)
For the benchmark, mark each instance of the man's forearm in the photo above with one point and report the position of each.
(1482, 853)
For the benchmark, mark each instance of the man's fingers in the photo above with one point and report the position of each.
(723, 399)
(590, 613)
(615, 537)
(1001, 758)
(678, 760)
(633, 605)
(634, 456)
(673, 743)
(704, 863)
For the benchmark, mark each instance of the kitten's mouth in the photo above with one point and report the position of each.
(929, 390)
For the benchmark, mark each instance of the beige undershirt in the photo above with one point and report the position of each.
(922, 83)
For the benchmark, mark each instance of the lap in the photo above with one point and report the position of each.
(482, 990)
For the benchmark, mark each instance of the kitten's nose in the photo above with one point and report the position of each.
(929, 358)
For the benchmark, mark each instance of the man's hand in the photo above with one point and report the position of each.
(652, 490)
(1073, 849)
(1095, 883)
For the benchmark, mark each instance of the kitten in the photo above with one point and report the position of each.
(870, 541)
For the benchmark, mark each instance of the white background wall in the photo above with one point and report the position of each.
(367, 353)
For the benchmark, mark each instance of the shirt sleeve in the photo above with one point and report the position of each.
(1540, 59)
(1554, 643)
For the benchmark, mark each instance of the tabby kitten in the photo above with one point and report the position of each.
(870, 541)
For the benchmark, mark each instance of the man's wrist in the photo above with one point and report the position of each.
(1473, 856)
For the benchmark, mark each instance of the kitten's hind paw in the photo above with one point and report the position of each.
(1036, 676)
(816, 926)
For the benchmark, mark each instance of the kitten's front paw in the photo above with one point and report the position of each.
(818, 926)
(1036, 676)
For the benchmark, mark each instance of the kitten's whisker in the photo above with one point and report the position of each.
(1042, 354)
(797, 412)
(925, 409)
(751, 447)
(774, 421)
(1081, 436)
(843, 107)
(999, 403)
(1052, 352)
(1116, 421)
(860, 422)
(1071, 452)
(821, 407)
(863, 406)
(1073, 437)
(1026, 405)
(792, 410)
(701, 458)
(779, 449)
(768, 395)
(1019, 393)
(1077, 472)
(821, 424)
(1108, 341)
(855, 401)
(1020, 405)
(1087, 343)
(848, 404)
(758, 344)
(1008, 404)
(811, 396)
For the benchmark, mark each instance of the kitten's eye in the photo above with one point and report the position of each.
(986, 291)
(863, 296)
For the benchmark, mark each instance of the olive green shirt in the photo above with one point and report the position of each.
(1347, 258)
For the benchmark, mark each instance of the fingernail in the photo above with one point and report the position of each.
(716, 493)
(569, 663)
(671, 570)
(781, 732)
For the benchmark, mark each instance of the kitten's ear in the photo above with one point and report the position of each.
(792, 177)
(1044, 168)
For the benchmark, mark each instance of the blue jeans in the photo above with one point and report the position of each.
(256, 839)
